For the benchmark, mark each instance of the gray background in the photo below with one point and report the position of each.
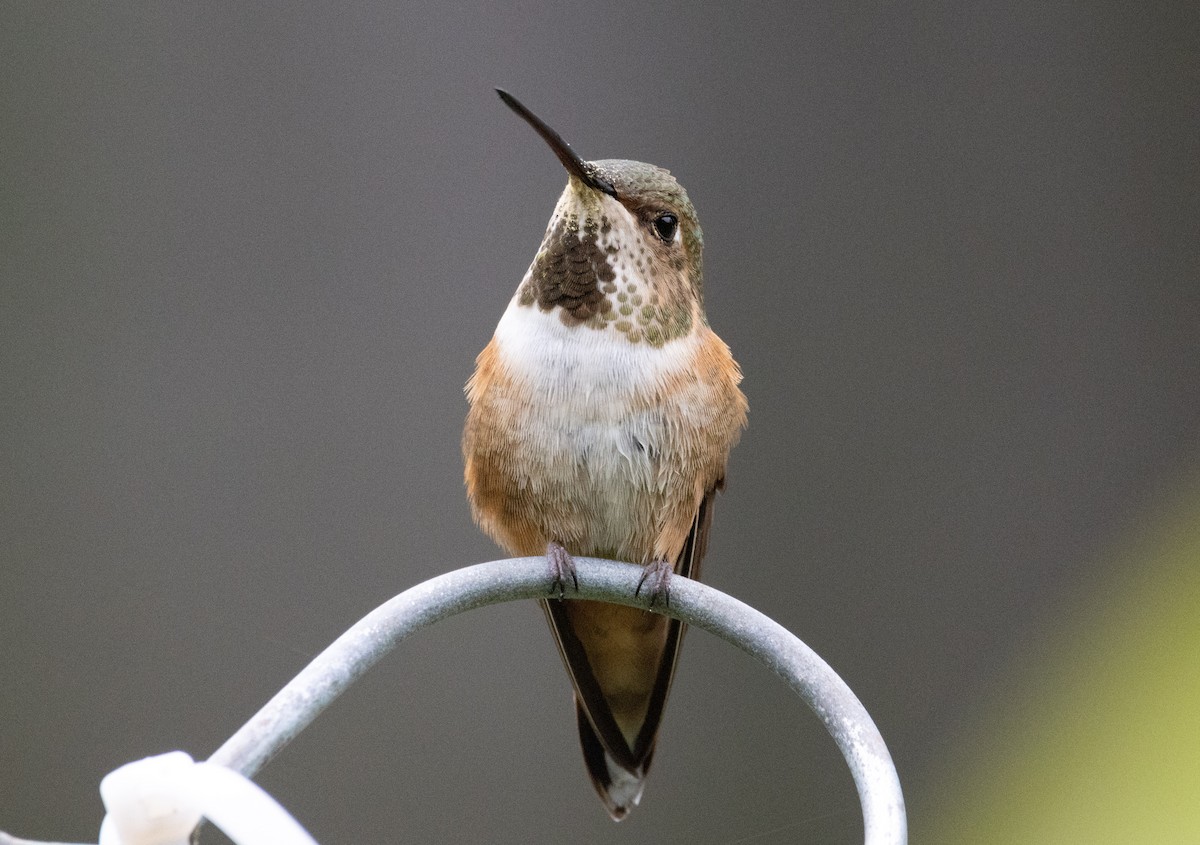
(248, 256)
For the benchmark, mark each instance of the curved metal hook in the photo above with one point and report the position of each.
(810, 677)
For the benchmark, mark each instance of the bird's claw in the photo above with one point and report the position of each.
(562, 569)
(656, 578)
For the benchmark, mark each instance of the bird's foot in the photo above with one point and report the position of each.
(656, 579)
(562, 569)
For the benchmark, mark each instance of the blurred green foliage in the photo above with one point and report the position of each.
(1098, 739)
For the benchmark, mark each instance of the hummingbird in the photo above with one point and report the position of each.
(602, 414)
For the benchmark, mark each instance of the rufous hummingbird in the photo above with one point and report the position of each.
(601, 418)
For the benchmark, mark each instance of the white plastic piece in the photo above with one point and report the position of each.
(148, 803)
(160, 800)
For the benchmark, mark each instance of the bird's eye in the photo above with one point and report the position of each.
(665, 226)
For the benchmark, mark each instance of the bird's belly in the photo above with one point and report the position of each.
(611, 476)
(599, 480)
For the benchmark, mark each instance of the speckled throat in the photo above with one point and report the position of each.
(600, 269)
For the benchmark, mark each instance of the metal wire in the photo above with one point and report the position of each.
(355, 651)
(847, 721)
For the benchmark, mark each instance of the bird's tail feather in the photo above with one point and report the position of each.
(618, 787)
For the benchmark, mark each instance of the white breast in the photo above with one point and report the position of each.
(602, 363)
(599, 419)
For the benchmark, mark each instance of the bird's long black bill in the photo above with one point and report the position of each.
(576, 166)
